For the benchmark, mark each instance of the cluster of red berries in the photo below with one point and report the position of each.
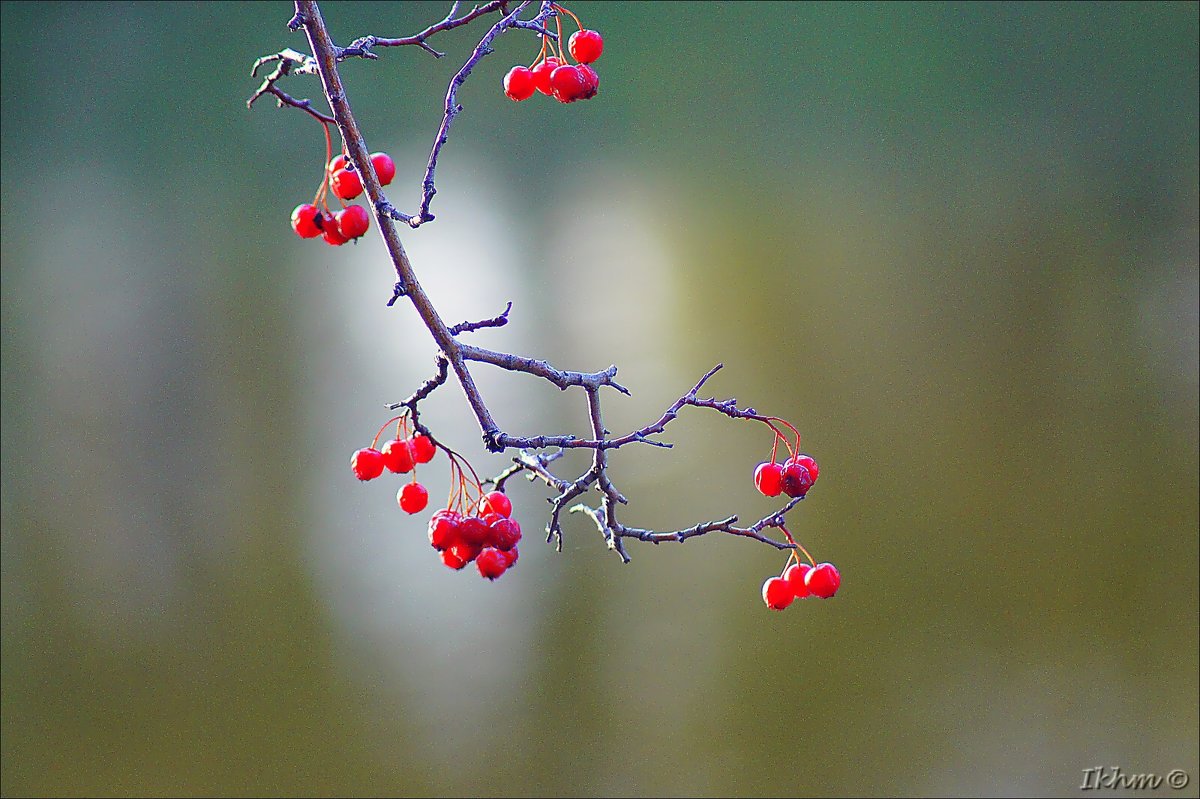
(488, 536)
(555, 75)
(800, 580)
(314, 219)
(793, 477)
(400, 455)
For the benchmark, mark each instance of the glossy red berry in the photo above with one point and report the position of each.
(767, 479)
(795, 577)
(585, 46)
(443, 529)
(519, 83)
(304, 221)
(541, 75)
(345, 183)
(796, 480)
(412, 498)
(423, 449)
(505, 533)
(330, 232)
(464, 551)
(367, 463)
(823, 580)
(474, 530)
(568, 83)
(591, 82)
(491, 563)
(777, 593)
(451, 559)
(352, 222)
(339, 161)
(511, 555)
(808, 463)
(497, 502)
(385, 167)
(397, 456)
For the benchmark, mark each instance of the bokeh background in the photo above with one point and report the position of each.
(956, 244)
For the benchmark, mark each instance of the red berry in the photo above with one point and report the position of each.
(541, 75)
(767, 479)
(505, 533)
(412, 498)
(304, 221)
(452, 560)
(346, 184)
(497, 502)
(585, 46)
(808, 463)
(367, 463)
(385, 167)
(352, 222)
(777, 593)
(474, 530)
(795, 576)
(512, 556)
(339, 161)
(568, 83)
(491, 563)
(796, 480)
(464, 551)
(823, 580)
(443, 529)
(330, 231)
(519, 83)
(423, 449)
(397, 456)
(591, 82)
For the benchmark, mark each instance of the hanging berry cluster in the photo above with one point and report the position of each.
(473, 527)
(794, 477)
(553, 74)
(314, 219)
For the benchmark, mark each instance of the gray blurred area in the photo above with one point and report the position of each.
(955, 244)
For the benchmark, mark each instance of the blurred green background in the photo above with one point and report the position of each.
(956, 244)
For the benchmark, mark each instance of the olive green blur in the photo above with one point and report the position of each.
(955, 244)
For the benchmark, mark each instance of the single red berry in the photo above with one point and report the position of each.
(505, 533)
(340, 161)
(541, 75)
(795, 576)
(412, 498)
(808, 463)
(452, 560)
(465, 552)
(568, 83)
(367, 463)
(443, 529)
(352, 222)
(796, 480)
(519, 83)
(491, 563)
(346, 184)
(385, 167)
(591, 82)
(304, 221)
(397, 456)
(767, 479)
(474, 530)
(512, 556)
(497, 502)
(823, 580)
(330, 232)
(585, 46)
(423, 449)
(777, 593)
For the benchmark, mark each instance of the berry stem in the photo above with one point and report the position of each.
(375, 440)
(578, 24)
(797, 545)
